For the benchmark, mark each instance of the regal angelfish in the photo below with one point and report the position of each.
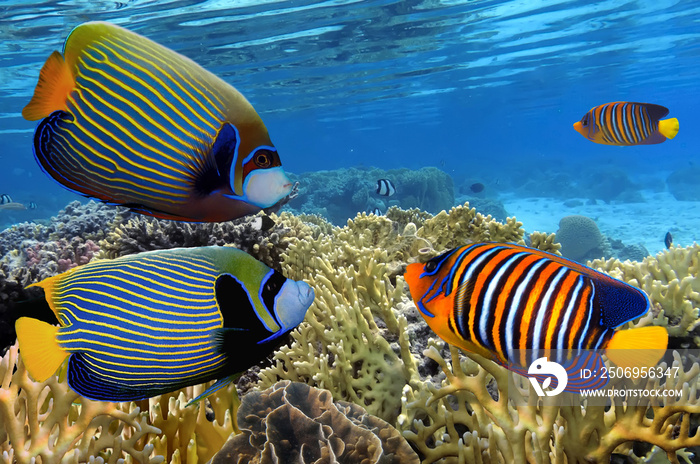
(499, 300)
(147, 324)
(627, 123)
(132, 123)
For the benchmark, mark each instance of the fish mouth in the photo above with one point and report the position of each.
(294, 192)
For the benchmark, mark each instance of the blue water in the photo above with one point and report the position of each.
(486, 89)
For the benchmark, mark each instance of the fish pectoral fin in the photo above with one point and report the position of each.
(219, 384)
(41, 353)
(56, 82)
(669, 127)
(213, 169)
(640, 347)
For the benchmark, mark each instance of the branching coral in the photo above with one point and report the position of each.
(353, 341)
(358, 343)
(48, 420)
(142, 233)
(672, 281)
(462, 421)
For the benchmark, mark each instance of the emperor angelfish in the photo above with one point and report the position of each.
(132, 123)
(147, 324)
(499, 300)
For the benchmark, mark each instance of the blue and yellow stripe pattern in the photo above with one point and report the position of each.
(132, 123)
(627, 123)
(150, 323)
(500, 300)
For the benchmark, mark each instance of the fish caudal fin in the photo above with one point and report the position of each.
(668, 127)
(642, 347)
(56, 81)
(41, 354)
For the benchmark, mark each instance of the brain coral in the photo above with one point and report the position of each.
(292, 422)
(581, 240)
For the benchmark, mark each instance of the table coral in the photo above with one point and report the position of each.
(292, 422)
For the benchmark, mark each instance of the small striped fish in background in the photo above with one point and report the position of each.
(499, 300)
(147, 324)
(627, 123)
(385, 188)
(132, 123)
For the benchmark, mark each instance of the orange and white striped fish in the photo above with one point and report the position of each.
(499, 300)
(627, 123)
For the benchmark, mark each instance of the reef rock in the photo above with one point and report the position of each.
(292, 422)
(340, 194)
(684, 184)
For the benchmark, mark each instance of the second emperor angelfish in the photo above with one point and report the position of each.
(132, 123)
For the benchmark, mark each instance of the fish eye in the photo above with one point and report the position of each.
(263, 159)
(584, 121)
(430, 266)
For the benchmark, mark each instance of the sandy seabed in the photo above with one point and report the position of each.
(643, 223)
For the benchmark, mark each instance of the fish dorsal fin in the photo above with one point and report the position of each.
(656, 112)
(56, 81)
(41, 353)
(49, 286)
(213, 166)
(618, 302)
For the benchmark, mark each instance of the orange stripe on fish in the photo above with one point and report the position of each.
(627, 123)
(498, 300)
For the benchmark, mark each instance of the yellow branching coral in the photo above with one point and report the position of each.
(47, 422)
(463, 421)
(340, 346)
(463, 225)
(356, 342)
(672, 281)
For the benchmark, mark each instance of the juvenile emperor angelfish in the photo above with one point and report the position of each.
(132, 123)
(151, 323)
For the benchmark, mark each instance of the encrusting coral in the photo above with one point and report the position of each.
(292, 422)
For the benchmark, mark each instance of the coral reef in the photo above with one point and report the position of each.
(460, 420)
(47, 420)
(364, 341)
(87, 221)
(672, 281)
(142, 233)
(341, 194)
(292, 422)
(581, 239)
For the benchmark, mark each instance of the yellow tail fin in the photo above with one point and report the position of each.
(642, 347)
(668, 127)
(41, 353)
(56, 81)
